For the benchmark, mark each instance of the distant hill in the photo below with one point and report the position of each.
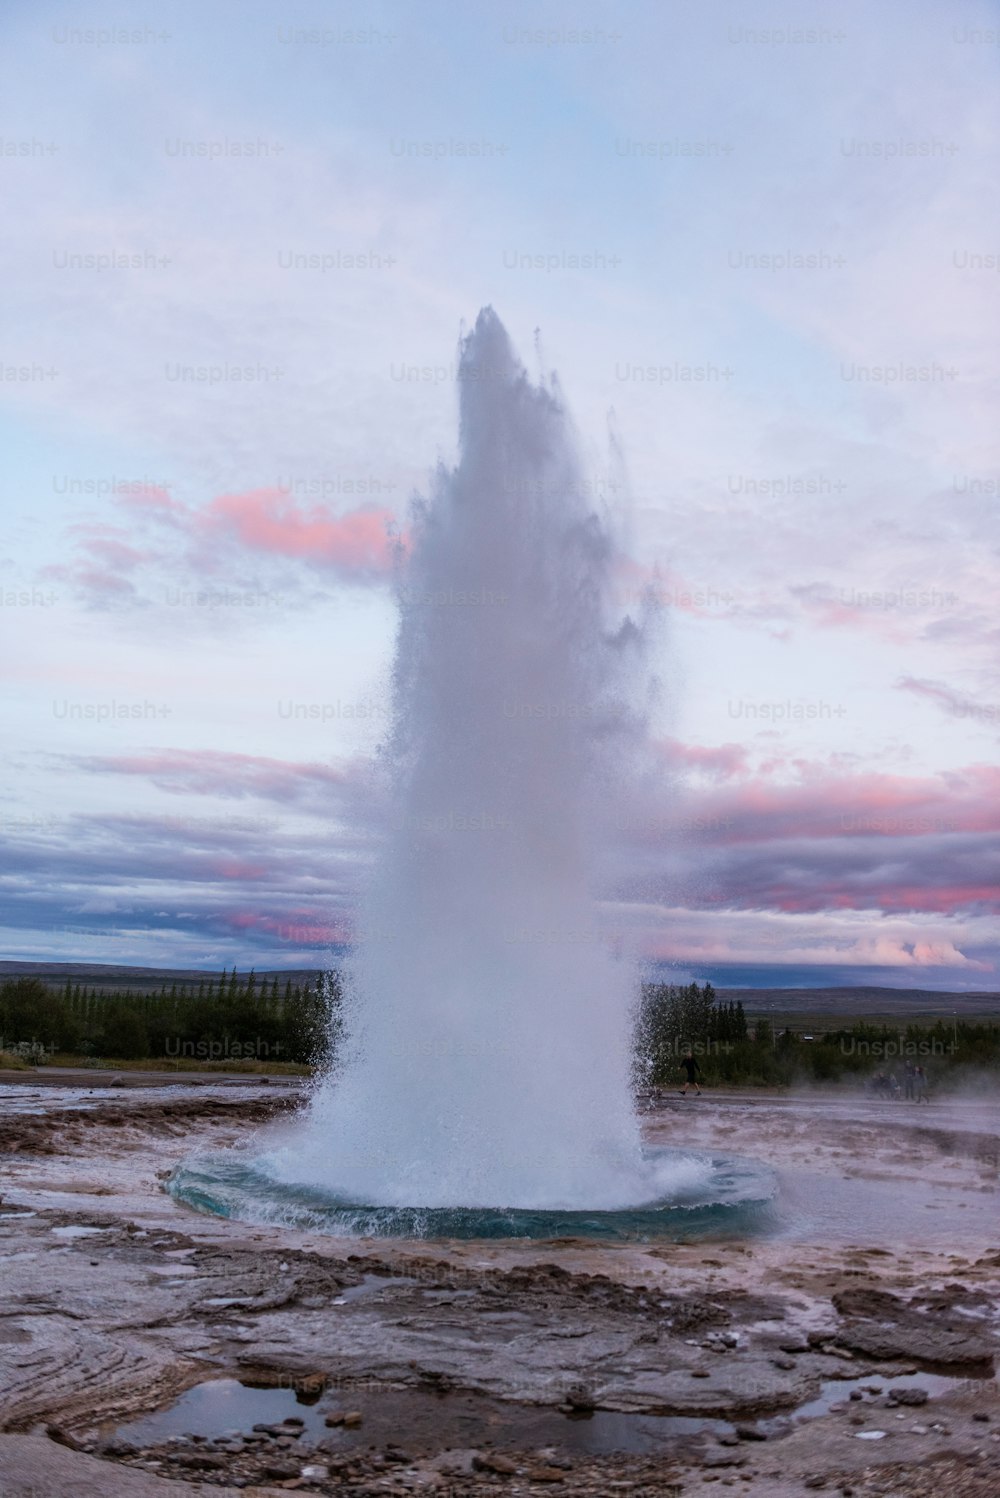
(110, 976)
(891, 1004)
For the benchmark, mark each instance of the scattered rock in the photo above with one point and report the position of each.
(723, 1459)
(116, 1447)
(280, 1470)
(907, 1396)
(202, 1460)
(64, 1438)
(494, 1461)
(884, 1326)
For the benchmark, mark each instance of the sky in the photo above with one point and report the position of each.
(760, 247)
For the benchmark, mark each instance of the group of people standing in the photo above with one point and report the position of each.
(915, 1088)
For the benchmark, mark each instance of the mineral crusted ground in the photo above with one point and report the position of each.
(501, 1367)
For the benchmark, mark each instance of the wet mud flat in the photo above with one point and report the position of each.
(149, 1349)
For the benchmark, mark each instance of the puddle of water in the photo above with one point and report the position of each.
(370, 1285)
(423, 1423)
(75, 1232)
(873, 1389)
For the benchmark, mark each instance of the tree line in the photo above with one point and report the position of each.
(672, 1020)
(228, 1018)
(236, 1017)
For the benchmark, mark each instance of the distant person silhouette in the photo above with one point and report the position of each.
(921, 1085)
(693, 1070)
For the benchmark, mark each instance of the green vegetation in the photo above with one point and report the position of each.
(732, 1049)
(10, 1061)
(239, 1023)
(230, 1020)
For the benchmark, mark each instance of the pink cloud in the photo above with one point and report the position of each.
(215, 773)
(270, 520)
(861, 806)
(297, 928)
(231, 532)
(721, 762)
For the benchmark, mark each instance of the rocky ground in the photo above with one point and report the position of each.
(843, 1356)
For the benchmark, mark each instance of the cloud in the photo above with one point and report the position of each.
(955, 704)
(210, 772)
(231, 535)
(718, 763)
(359, 545)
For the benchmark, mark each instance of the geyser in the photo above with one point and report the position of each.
(488, 1057)
(485, 1054)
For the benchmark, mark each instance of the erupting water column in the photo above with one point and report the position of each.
(488, 1052)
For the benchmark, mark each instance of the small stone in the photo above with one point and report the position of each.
(815, 1482)
(700, 1373)
(785, 1364)
(908, 1396)
(316, 1472)
(494, 1461)
(335, 1417)
(280, 1470)
(750, 1433)
(980, 1415)
(118, 1447)
(352, 1419)
(202, 1460)
(723, 1459)
(63, 1437)
(545, 1474)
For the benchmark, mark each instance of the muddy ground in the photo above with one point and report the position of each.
(849, 1350)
